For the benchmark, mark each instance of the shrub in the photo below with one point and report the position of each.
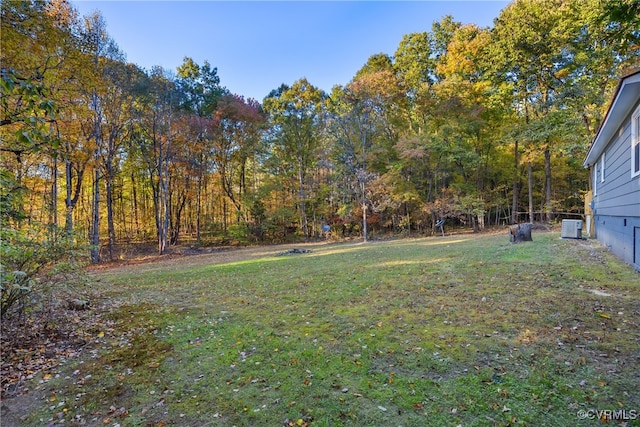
(36, 263)
(237, 232)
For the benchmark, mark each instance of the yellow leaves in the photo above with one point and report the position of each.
(527, 337)
(390, 380)
(563, 73)
(299, 422)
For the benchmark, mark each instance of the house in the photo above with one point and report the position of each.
(614, 161)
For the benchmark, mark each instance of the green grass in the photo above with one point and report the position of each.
(468, 330)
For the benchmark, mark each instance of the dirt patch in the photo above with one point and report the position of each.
(15, 410)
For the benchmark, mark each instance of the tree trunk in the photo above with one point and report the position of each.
(73, 191)
(111, 230)
(530, 183)
(163, 183)
(68, 201)
(54, 194)
(165, 210)
(199, 209)
(134, 205)
(303, 206)
(175, 225)
(95, 222)
(514, 202)
(547, 174)
(224, 215)
(365, 236)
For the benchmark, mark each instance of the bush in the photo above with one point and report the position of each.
(35, 264)
(238, 232)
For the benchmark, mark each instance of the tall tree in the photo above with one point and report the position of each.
(471, 112)
(102, 51)
(153, 136)
(529, 43)
(122, 82)
(296, 111)
(29, 58)
(363, 118)
(237, 130)
(560, 58)
(201, 92)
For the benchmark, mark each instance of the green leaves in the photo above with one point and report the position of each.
(27, 111)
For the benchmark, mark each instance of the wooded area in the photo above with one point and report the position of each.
(467, 124)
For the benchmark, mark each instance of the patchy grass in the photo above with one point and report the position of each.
(467, 330)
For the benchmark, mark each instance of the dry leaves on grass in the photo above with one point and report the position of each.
(37, 344)
(299, 422)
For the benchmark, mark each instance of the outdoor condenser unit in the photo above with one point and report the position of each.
(571, 229)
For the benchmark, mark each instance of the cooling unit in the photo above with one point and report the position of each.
(571, 229)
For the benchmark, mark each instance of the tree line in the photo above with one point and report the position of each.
(474, 126)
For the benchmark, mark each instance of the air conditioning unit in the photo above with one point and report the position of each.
(571, 229)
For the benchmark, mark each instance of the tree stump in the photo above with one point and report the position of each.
(520, 233)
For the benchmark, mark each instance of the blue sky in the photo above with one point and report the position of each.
(258, 45)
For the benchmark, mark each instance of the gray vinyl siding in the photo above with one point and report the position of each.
(617, 199)
(619, 194)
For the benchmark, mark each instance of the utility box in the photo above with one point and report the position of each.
(571, 229)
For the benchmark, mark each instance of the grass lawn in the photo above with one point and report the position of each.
(464, 330)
